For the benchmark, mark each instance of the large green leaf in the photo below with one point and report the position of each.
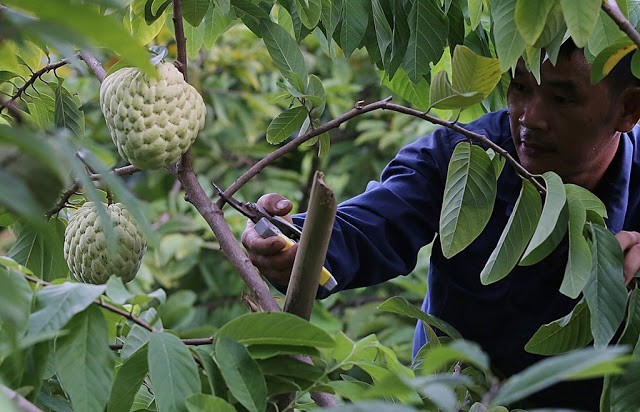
(605, 291)
(266, 328)
(355, 19)
(458, 350)
(309, 12)
(582, 364)
(130, 376)
(285, 124)
(84, 362)
(570, 332)
(41, 250)
(384, 33)
(194, 11)
(15, 295)
(285, 53)
(201, 402)
(531, 17)
(173, 372)
(604, 34)
(242, 374)
(401, 306)
(515, 236)
(57, 304)
(508, 42)
(469, 196)
(581, 17)
(88, 23)
(215, 23)
(429, 30)
(606, 60)
(401, 85)
(473, 77)
(578, 268)
(552, 224)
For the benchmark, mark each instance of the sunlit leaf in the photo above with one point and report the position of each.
(508, 41)
(201, 402)
(469, 196)
(581, 16)
(606, 60)
(531, 28)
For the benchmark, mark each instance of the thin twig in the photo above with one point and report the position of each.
(12, 109)
(190, 342)
(93, 64)
(181, 41)
(611, 8)
(31, 80)
(21, 404)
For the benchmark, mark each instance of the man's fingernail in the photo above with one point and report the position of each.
(282, 204)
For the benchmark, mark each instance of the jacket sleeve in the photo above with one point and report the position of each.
(377, 234)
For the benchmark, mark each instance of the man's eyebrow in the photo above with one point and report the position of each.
(565, 85)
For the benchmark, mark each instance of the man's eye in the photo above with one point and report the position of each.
(562, 99)
(517, 86)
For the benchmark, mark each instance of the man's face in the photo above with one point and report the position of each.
(565, 124)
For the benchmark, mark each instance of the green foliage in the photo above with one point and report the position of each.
(271, 72)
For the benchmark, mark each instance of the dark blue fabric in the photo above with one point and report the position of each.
(377, 236)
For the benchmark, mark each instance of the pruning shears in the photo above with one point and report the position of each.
(268, 225)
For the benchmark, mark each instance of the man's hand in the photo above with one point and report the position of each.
(267, 254)
(630, 244)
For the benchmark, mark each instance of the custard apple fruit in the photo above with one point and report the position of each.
(86, 248)
(153, 121)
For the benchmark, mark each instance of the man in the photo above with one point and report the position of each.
(586, 133)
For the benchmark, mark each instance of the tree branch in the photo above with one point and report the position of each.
(181, 41)
(611, 8)
(18, 400)
(93, 64)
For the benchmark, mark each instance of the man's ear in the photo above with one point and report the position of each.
(630, 109)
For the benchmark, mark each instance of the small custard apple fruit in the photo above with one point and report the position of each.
(86, 247)
(153, 121)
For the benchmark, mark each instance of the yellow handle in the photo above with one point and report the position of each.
(326, 278)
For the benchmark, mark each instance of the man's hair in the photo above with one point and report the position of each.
(619, 78)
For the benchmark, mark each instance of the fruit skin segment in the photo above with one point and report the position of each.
(152, 121)
(86, 247)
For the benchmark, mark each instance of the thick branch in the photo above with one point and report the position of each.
(611, 8)
(19, 401)
(93, 64)
(309, 261)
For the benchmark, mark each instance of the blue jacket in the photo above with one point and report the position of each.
(378, 233)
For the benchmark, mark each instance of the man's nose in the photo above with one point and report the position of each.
(534, 115)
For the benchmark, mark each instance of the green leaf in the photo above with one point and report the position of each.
(581, 17)
(475, 12)
(17, 197)
(242, 374)
(570, 332)
(201, 402)
(632, 328)
(285, 124)
(309, 12)
(605, 291)
(173, 372)
(194, 11)
(87, 22)
(458, 350)
(285, 53)
(355, 19)
(469, 196)
(215, 23)
(16, 296)
(41, 250)
(606, 60)
(429, 30)
(128, 380)
(508, 42)
(553, 370)
(401, 85)
(67, 110)
(149, 15)
(552, 224)
(401, 306)
(384, 33)
(531, 28)
(578, 268)
(195, 39)
(84, 362)
(473, 76)
(267, 328)
(515, 236)
(57, 304)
